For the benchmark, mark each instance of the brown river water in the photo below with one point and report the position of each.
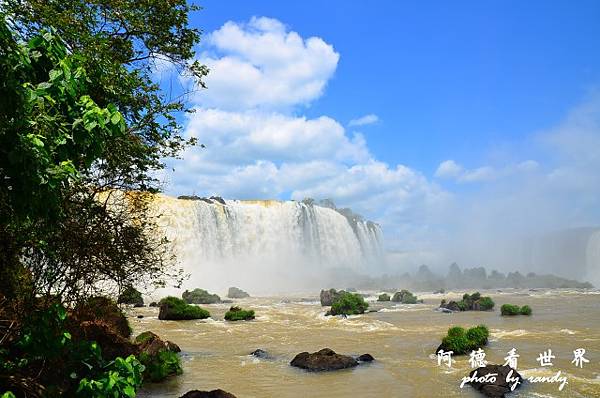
(402, 338)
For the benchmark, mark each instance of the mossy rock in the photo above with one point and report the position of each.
(348, 304)
(383, 297)
(173, 308)
(200, 296)
(160, 366)
(105, 310)
(462, 341)
(511, 310)
(237, 293)
(404, 297)
(239, 314)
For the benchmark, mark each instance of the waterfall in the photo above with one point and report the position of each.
(593, 258)
(292, 244)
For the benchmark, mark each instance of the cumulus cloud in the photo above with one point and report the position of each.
(259, 144)
(364, 120)
(261, 64)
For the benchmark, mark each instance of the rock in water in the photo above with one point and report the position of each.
(365, 358)
(260, 353)
(325, 359)
(236, 293)
(329, 296)
(207, 394)
(500, 386)
(152, 344)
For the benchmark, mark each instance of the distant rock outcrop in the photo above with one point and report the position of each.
(237, 293)
(200, 296)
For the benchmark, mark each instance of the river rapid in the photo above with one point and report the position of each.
(402, 338)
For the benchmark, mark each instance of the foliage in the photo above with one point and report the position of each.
(474, 302)
(238, 314)
(383, 297)
(348, 304)
(461, 342)
(174, 308)
(77, 367)
(131, 295)
(160, 366)
(486, 303)
(8, 394)
(526, 310)
(121, 378)
(200, 296)
(404, 297)
(510, 309)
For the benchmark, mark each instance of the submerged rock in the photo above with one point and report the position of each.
(323, 360)
(207, 394)
(260, 353)
(494, 387)
(237, 293)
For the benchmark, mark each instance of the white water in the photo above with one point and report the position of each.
(266, 246)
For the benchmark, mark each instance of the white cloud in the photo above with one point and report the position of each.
(364, 120)
(260, 64)
(448, 169)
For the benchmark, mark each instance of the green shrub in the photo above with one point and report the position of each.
(120, 379)
(348, 304)
(238, 314)
(130, 295)
(510, 309)
(461, 342)
(485, 303)
(525, 310)
(158, 367)
(404, 297)
(174, 308)
(383, 297)
(200, 296)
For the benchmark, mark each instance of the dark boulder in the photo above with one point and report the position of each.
(323, 360)
(218, 199)
(152, 344)
(207, 394)
(495, 386)
(329, 296)
(451, 305)
(113, 344)
(365, 358)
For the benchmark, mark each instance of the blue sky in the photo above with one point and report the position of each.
(447, 79)
(442, 121)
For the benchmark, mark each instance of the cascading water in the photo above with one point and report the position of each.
(266, 246)
(593, 258)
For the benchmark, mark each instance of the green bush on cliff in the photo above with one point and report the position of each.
(485, 303)
(238, 314)
(510, 309)
(462, 341)
(383, 297)
(173, 308)
(200, 296)
(348, 304)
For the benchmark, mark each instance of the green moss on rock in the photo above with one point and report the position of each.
(200, 296)
(404, 297)
(238, 314)
(511, 309)
(462, 341)
(173, 308)
(383, 297)
(348, 304)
